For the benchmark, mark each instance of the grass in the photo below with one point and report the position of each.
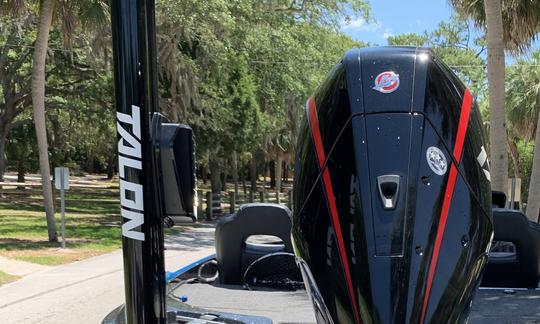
(92, 226)
(6, 277)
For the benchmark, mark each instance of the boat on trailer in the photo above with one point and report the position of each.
(393, 218)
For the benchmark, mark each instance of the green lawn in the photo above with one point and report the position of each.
(92, 226)
(6, 277)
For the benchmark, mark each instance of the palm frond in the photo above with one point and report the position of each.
(523, 96)
(521, 20)
(93, 14)
(67, 18)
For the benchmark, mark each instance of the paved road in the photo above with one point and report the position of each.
(86, 291)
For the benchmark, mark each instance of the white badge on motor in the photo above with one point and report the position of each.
(436, 160)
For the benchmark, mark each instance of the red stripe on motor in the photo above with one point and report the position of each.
(449, 192)
(330, 198)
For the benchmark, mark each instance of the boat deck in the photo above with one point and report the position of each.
(490, 305)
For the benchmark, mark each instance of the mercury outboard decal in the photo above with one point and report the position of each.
(386, 82)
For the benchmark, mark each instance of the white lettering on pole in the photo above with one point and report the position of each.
(135, 219)
(131, 193)
(128, 144)
(124, 162)
(134, 120)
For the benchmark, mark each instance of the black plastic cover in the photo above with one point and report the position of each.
(175, 146)
(392, 111)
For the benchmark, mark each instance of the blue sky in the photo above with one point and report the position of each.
(393, 17)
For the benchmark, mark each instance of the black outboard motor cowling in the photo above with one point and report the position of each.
(392, 219)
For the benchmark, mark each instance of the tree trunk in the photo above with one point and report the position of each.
(533, 200)
(224, 177)
(244, 186)
(265, 173)
(215, 176)
(204, 175)
(235, 173)
(279, 173)
(90, 162)
(285, 171)
(110, 165)
(21, 170)
(253, 174)
(514, 155)
(495, 65)
(2, 156)
(38, 104)
(272, 168)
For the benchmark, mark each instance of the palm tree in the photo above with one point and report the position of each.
(533, 201)
(92, 13)
(495, 65)
(38, 105)
(523, 99)
(521, 22)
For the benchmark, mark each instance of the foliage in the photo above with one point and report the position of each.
(523, 86)
(521, 20)
(525, 151)
(522, 109)
(454, 43)
(227, 68)
(16, 38)
(79, 94)
(231, 68)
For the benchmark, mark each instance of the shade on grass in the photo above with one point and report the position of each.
(92, 226)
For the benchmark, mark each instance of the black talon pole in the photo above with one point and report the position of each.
(133, 31)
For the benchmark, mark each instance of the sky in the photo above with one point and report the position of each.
(393, 17)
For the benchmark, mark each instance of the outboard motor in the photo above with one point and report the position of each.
(392, 219)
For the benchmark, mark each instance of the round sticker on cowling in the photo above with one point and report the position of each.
(386, 82)
(436, 160)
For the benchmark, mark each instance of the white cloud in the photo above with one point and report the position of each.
(387, 33)
(359, 24)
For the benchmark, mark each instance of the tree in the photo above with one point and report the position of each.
(93, 12)
(521, 21)
(15, 53)
(453, 42)
(533, 201)
(492, 12)
(523, 102)
(409, 39)
(245, 122)
(209, 51)
(79, 93)
(38, 105)
(495, 66)
(21, 148)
